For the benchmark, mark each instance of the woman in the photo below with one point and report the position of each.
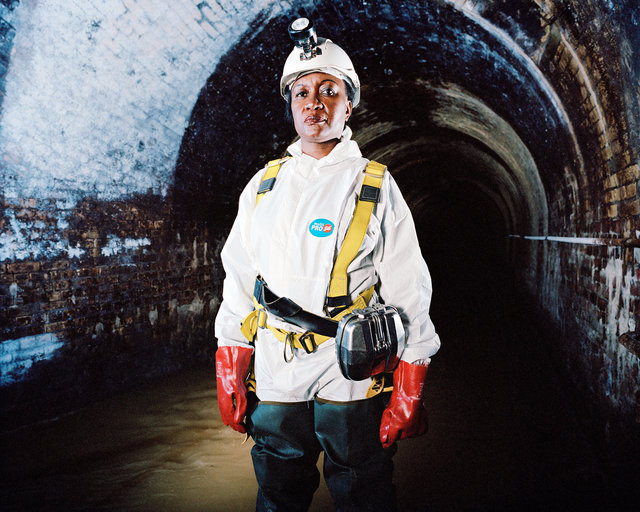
(290, 235)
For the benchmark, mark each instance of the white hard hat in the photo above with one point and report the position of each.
(330, 59)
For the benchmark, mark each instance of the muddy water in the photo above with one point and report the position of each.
(160, 448)
(506, 433)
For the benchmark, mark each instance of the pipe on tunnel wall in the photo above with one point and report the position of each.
(129, 129)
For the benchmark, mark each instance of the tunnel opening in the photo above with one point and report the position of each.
(469, 180)
(463, 211)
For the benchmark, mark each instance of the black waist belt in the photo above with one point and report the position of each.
(290, 312)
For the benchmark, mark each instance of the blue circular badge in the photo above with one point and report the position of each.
(321, 227)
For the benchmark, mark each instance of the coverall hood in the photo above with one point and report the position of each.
(346, 148)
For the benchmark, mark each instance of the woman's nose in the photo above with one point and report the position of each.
(314, 102)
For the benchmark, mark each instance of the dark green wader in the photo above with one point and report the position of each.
(289, 438)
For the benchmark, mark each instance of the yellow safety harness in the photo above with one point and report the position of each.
(337, 297)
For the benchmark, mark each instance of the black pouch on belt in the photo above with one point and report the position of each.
(289, 311)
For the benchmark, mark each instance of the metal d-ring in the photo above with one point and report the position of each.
(288, 340)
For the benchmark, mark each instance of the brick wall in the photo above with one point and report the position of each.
(588, 295)
(126, 296)
(594, 297)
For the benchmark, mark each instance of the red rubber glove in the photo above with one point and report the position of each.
(405, 415)
(232, 366)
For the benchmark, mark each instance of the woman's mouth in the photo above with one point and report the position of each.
(314, 119)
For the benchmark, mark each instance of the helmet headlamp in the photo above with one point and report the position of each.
(303, 34)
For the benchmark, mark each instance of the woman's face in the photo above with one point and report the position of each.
(320, 108)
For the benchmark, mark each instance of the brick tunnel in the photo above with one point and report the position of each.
(129, 128)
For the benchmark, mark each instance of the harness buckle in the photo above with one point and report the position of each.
(303, 342)
(262, 318)
(288, 342)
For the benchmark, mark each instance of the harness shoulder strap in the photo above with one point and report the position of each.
(369, 195)
(269, 178)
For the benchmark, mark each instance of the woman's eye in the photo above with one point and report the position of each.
(301, 94)
(328, 91)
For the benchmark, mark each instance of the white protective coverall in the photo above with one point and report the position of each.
(274, 240)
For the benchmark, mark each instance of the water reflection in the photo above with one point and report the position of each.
(159, 448)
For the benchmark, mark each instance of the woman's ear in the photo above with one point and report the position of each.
(348, 112)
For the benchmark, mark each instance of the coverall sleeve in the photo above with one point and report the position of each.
(404, 279)
(240, 269)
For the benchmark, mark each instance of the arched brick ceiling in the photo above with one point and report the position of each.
(437, 81)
